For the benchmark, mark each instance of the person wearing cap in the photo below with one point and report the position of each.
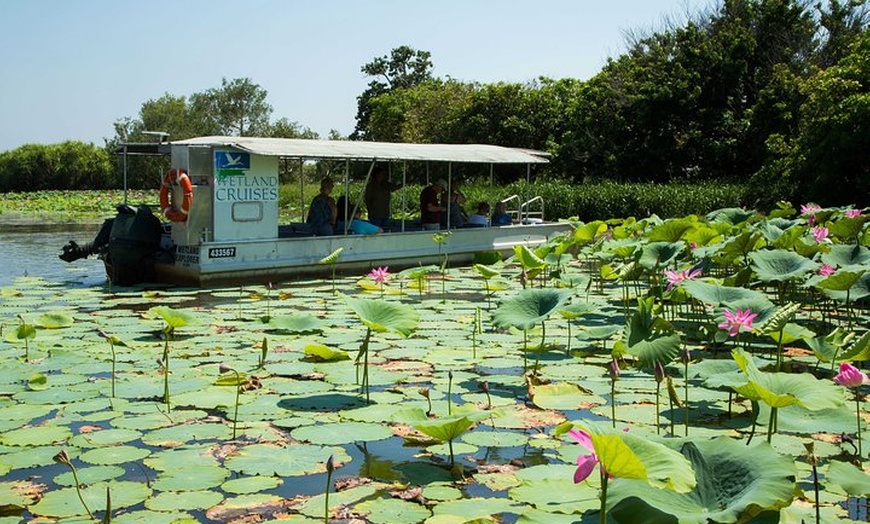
(431, 206)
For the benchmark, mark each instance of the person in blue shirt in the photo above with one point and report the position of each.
(500, 217)
(357, 226)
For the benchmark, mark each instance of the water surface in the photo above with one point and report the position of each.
(35, 254)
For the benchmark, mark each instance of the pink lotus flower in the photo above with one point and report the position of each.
(381, 275)
(852, 213)
(850, 376)
(676, 277)
(827, 270)
(585, 463)
(820, 234)
(739, 318)
(810, 209)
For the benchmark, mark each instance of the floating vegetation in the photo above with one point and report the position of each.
(376, 388)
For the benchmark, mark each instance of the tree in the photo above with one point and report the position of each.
(405, 67)
(237, 108)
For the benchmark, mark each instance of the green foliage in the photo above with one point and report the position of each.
(68, 165)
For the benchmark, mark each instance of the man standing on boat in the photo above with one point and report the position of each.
(377, 197)
(431, 206)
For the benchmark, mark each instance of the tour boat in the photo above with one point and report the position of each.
(220, 197)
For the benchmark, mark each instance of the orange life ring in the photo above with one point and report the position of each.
(176, 177)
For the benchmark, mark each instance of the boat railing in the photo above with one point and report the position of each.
(512, 204)
(532, 211)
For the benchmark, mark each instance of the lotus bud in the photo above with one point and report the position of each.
(62, 458)
(686, 356)
(484, 386)
(659, 371)
(614, 369)
(424, 392)
(330, 464)
(223, 368)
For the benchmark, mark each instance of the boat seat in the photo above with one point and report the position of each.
(296, 229)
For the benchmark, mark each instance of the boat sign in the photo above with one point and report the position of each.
(222, 252)
(232, 160)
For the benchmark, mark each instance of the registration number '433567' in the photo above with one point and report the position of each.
(221, 252)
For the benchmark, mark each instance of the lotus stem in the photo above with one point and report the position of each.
(112, 346)
(858, 418)
(107, 518)
(63, 458)
(602, 514)
(613, 401)
(264, 351)
(771, 424)
(450, 396)
(330, 467)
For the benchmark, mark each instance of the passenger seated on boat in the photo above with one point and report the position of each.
(323, 211)
(431, 207)
(479, 218)
(458, 218)
(500, 217)
(377, 196)
(357, 225)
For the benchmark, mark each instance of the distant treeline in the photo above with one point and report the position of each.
(769, 95)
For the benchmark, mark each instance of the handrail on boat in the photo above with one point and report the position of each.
(514, 213)
(537, 214)
(521, 213)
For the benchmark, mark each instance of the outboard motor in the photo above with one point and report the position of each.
(127, 244)
(133, 241)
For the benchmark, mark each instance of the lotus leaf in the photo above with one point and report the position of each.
(342, 433)
(36, 436)
(563, 396)
(254, 484)
(190, 478)
(733, 482)
(392, 511)
(779, 265)
(529, 307)
(858, 291)
(324, 353)
(174, 318)
(295, 323)
(659, 254)
(54, 320)
(844, 255)
(380, 316)
(189, 499)
(558, 495)
(779, 390)
(292, 461)
(89, 475)
(331, 258)
(64, 503)
(851, 480)
(476, 508)
(716, 294)
(649, 337)
(730, 215)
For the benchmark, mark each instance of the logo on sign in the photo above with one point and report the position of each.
(228, 160)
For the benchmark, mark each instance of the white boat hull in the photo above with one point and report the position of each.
(273, 260)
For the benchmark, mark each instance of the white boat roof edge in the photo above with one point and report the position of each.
(383, 151)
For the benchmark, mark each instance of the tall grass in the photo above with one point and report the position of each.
(562, 199)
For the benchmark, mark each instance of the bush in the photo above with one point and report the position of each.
(68, 165)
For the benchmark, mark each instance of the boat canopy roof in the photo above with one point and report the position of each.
(384, 151)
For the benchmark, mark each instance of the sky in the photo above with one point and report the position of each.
(73, 68)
